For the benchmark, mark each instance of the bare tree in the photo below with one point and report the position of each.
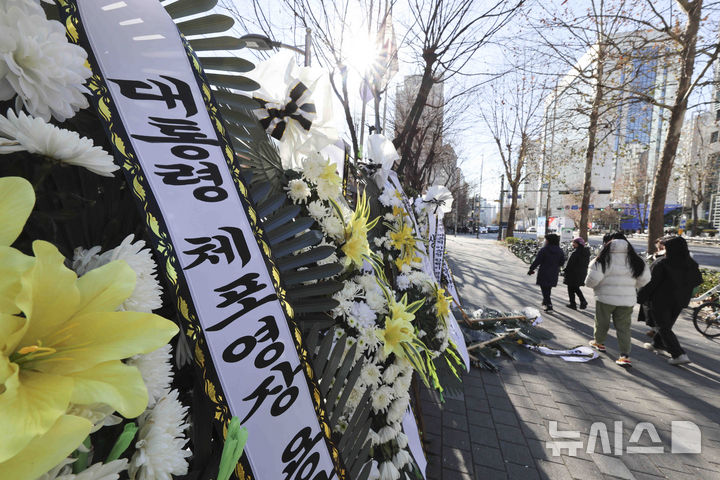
(683, 41)
(445, 35)
(513, 114)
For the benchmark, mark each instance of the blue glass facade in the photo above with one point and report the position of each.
(639, 114)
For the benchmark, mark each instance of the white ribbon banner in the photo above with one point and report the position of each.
(153, 88)
(414, 443)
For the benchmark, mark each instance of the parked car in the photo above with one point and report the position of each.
(493, 229)
(531, 230)
(482, 230)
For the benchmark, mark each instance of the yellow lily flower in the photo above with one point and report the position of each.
(329, 175)
(398, 326)
(17, 198)
(66, 351)
(356, 246)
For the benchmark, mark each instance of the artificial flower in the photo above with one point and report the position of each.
(401, 458)
(17, 198)
(442, 303)
(371, 374)
(66, 350)
(440, 198)
(298, 101)
(313, 166)
(21, 132)
(401, 439)
(387, 433)
(381, 398)
(298, 191)
(356, 245)
(156, 372)
(333, 227)
(38, 64)
(363, 314)
(317, 210)
(161, 442)
(388, 471)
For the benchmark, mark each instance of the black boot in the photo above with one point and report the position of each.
(571, 306)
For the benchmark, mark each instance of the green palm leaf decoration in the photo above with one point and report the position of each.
(293, 239)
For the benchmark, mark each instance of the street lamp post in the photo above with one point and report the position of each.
(257, 41)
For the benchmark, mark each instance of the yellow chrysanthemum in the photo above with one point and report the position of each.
(403, 239)
(442, 303)
(64, 351)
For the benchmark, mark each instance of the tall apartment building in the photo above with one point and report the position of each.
(630, 133)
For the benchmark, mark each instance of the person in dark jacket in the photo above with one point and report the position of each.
(576, 271)
(549, 259)
(674, 277)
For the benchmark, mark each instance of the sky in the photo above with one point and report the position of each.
(473, 143)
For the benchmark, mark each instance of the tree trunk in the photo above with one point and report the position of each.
(403, 140)
(513, 208)
(694, 207)
(592, 135)
(656, 222)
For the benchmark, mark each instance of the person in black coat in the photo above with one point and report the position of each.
(549, 259)
(576, 271)
(674, 277)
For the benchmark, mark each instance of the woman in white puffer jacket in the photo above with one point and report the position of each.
(615, 276)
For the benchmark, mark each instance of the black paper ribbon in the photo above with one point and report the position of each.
(275, 120)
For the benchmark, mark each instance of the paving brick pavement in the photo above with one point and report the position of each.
(499, 425)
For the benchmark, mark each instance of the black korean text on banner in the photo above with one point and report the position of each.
(175, 155)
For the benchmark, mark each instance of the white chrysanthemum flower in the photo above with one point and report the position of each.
(364, 315)
(147, 294)
(387, 433)
(313, 166)
(24, 133)
(370, 339)
(421, 333)
(317, 210)
(398, 408)
(161, 441)
(327, 190)
(401, 459)
(381, 398)
(378, 241)
(38, 64)
(373, 437)
(86, 260)
(403, 282)
(156, 372)
(391, 373)
(99, 414)
(367, 282)
(333, 227)
(405, 269)
(99, 471)
(339, 333)
(386, 197)
(370, 375)
(376, 301)
(298, 191)
(388, 471)
(402, 383)
(401, 439)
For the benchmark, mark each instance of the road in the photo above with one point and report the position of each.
(499, 426)
(707, 256)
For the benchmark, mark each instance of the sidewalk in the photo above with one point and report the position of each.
(499, 426)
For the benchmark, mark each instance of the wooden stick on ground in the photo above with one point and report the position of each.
(475, 346)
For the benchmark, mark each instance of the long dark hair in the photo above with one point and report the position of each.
(676, 250)
(633, 259)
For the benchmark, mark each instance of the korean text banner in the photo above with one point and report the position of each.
(176, 159)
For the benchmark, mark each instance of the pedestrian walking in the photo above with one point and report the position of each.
(549, 260)
(616, 275)
(576, 271)
(644, 314)
(674, 277)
